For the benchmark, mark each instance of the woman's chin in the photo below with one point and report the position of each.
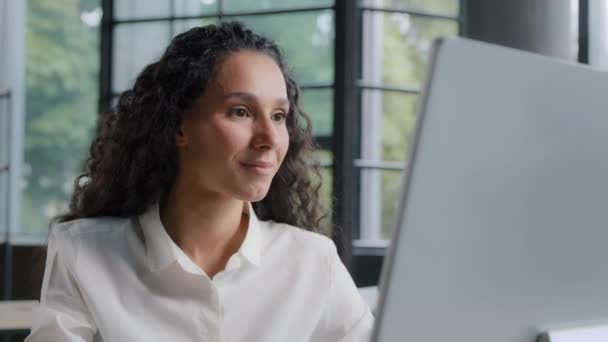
(254, 195)
(258, 197)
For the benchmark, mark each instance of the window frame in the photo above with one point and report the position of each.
(362, 248)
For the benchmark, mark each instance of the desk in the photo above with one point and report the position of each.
(16, 315)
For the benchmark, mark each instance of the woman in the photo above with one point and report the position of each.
(184, 225)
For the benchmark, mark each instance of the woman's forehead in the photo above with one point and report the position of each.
(249, 72)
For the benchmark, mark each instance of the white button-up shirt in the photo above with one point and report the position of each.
(111, 279)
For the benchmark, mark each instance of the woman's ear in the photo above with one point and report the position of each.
(181, 139)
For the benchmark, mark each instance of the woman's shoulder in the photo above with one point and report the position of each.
(294, 239)
(100, 232)
(91, 242)
(90, 226)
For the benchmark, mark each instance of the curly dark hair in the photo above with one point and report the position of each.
(133, 157)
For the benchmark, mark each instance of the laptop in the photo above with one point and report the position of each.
(502, 228)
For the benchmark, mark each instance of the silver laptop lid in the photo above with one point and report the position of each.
(502, 229)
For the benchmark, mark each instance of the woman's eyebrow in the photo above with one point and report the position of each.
(248, 97)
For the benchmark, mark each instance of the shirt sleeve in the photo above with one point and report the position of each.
(62, 314)
(347, 317)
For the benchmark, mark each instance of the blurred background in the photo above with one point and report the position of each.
(360, 63)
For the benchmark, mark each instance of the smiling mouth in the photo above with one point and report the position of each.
(259, 168)
(257, 163)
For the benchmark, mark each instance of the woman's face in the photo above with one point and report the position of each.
(234, 140)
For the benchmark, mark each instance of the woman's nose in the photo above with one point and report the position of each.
(265, 134)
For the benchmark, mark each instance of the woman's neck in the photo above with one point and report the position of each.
(208, 227)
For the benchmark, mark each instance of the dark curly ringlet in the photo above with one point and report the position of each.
(133, 159)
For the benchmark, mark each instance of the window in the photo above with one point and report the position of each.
(394, 41)
(62, 65)
(62, 85)
(396, 37)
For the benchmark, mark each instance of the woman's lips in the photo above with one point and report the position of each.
(258, 167)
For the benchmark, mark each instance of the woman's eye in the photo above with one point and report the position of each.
(239, 112)
(279, 116)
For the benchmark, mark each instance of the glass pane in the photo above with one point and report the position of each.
(388, 123)
(326, 196)
(380, 190)
(180, 26)
(319, 105)
(326, 157)
(134, 9)
(140, 9)
(446, 7)
(62, 67)
(396, 46)
(195, 7)
(128, 63)
(135, 46)
(5, 142)
(306, 38)
(114, 101)
(326, 193)
(265, 5)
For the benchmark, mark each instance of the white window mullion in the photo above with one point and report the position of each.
(12, 76)
(371, 130)
(598, 33)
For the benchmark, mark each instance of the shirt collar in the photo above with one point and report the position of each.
(162, 251)
(251, 246)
